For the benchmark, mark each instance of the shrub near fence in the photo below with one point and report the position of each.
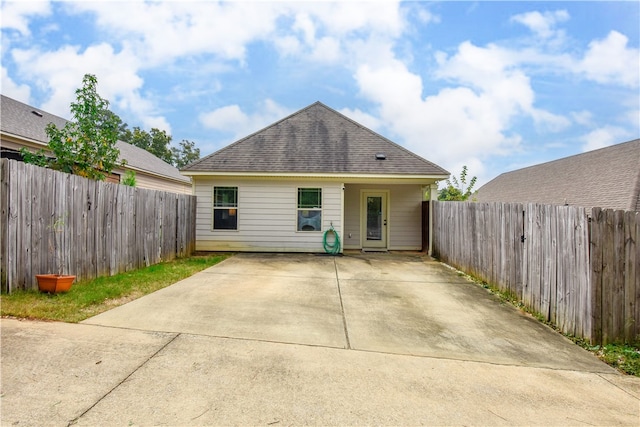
(104, 228)
(577, 267)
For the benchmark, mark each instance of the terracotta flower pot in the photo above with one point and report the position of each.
(53, 283)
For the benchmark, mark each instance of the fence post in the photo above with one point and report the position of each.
(108, 228)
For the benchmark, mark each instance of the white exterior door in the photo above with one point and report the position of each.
(374, 220)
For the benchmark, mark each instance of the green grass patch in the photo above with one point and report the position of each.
(86, 299)
(624, 357)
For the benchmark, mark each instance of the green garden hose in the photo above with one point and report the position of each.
(331, 248)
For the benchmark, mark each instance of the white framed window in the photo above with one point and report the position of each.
(309, 209)
(225, 208)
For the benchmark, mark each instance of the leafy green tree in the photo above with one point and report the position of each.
(38, 158)
(124, 134)
(157, 142)
(85, 146)
(129, 178)
(458, 190)
(186, 153)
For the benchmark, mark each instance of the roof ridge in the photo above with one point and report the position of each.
(302, 110)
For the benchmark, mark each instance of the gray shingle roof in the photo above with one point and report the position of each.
(316, 139)
(607, 178)
(19, 119)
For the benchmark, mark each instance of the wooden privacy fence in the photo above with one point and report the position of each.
(53, 220)
(577, 267)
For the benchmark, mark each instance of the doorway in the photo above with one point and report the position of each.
(374, 220)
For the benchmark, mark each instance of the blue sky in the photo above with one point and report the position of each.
(493, 85)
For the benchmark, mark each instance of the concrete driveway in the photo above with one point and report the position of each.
(265, 339)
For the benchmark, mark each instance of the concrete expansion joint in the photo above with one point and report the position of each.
(344, 318)
(617, 386)
(136, 369)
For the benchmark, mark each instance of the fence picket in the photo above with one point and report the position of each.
(104, 228)
(580, 271)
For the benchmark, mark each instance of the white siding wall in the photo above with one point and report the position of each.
(352, 217)
(405, 215)
(151, 182)
(267, 216)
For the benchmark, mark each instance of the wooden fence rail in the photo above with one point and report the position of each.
(52, 220)
(577, 267)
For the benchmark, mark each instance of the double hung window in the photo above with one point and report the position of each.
(225, 208)
(309, 209)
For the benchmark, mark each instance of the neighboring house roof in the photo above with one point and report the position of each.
(316, 140)
(608, 178)
(25, 122)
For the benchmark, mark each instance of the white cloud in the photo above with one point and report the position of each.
(549, 122)
(583, 117)
(159, 33)
(454, 124)
(426, 17)
(491, 70)
(146, 35)
(287, 45)
(465, 122)
(327, 50)
(231, 118)
(346, 17)
(60, 73)
(325, 32)
(542, 24)
(16, 14)
(611, 61)
(20, 92)
(477, 94)
(365, 119)
(603, 137)
(305, 25)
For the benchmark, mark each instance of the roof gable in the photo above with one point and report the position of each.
(26, 122)
(608, 178)
(316, 139)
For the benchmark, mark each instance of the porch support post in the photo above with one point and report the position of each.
(342, 236)
(433, 195)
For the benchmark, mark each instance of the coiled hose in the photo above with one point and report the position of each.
(331, 248)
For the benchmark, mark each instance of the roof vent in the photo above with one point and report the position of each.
(381, 156)
(37, 113)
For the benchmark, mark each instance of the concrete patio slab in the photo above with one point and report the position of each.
(247, 296)
(313, 340)
(53, 372)
(441, 314)
(210, 381)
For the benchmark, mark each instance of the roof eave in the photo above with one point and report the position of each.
(316, 175)
(18, 139)
(185, 181)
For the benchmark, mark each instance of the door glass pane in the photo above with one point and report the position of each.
(374, 218)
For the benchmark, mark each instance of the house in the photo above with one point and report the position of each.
(607, 178)
(282, 187)
(22, 125)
